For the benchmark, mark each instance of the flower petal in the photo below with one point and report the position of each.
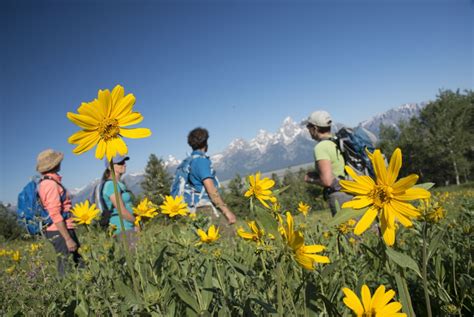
(366, 298)
(352, 301)
(89, 109)
(361, 179)
(366, 220)
(83, 121)
(130, 119)
(358, 202)
(136, 133)
(388, 233)
(378, 297)
(378, 163)
(404, 183)
(101, 149)
(314, 248)
(354, 187)
(123, 107)
(117, 94)
(394, 166)
(404, 208)
(413, 194)
(86, 143)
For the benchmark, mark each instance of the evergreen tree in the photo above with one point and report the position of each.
(234, 196)
(157, 181)
(438, 144)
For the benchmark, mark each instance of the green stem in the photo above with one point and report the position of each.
(425, 279)
(128, 257)
(304, 291)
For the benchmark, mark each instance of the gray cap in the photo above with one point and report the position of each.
(320, 118)
(116, 159)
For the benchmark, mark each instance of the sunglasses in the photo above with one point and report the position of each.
(121, 163)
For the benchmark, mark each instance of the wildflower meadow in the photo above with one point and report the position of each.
(398, 248)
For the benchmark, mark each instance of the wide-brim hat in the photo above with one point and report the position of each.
(48, 159)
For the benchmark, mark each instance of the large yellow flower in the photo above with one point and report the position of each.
(260, 189)
(385, 197)
(209, 237)
(145, 209)
(303, 208)
(84, 213)
(102, 122)
(376, 306)
(174, 206)
(303, 254)
(256, 235)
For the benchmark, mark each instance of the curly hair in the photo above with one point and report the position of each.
(197, 138)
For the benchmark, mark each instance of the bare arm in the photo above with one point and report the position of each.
(217, 200)
(70, 243)
(126, 215)
(325, 173)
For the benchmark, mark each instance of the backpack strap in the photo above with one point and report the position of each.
(101, 196)
(62, 198)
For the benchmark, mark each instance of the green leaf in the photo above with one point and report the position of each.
(345, 214)
(426, 186)
(404, 295)
(267, 221)
(128, 293)
(435, 242)
(280, 190)
(207, 292)
(176, 231)
(82, 310)
(185, 297)
(403, 260)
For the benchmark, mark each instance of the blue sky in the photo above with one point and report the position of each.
(233, 67)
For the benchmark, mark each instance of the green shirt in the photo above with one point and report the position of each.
(327, 150)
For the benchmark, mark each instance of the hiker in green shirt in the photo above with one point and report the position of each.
(329, 162)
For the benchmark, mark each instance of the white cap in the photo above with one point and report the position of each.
(320, 118)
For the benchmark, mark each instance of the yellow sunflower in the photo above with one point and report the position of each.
(260, 189)
(303, 208)
(209, 237)
(386, 197)
(303, 254)
(376, 306)
(146, 209)
(256, 235)
(102, 122)
(174, 206)
(83, 213)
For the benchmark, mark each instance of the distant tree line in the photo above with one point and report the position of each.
(439, 144)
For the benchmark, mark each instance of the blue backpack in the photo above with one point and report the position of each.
(182, 186)
(97, 197)
(352, 143)
(30, 212)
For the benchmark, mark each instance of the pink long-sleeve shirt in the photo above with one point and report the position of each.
(50, 194)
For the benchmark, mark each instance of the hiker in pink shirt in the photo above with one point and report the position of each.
(57, 202)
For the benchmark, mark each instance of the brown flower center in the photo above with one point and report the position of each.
(381, 195)
(108, 129)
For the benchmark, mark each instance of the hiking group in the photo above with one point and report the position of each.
(44, 204)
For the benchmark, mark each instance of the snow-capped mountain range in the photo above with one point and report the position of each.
(289, 146)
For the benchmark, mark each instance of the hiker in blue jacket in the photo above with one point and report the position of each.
(204, 182)
(329, 163)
